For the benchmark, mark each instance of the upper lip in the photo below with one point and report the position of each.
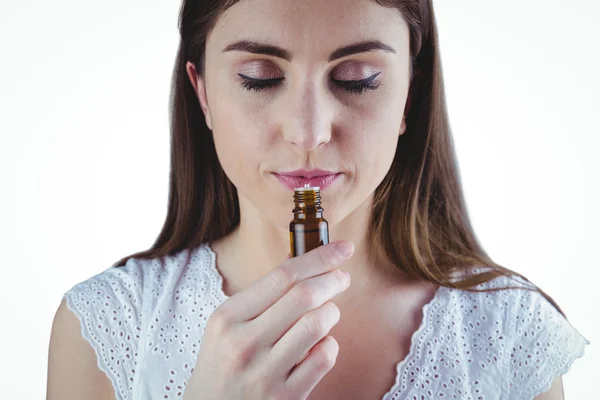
(307, 173)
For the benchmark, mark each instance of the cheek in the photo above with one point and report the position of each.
(375, 138)
(387, 140)
(237, 142)
(375, 160)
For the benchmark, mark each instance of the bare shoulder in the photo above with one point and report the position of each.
(554, 393)
(73, 371)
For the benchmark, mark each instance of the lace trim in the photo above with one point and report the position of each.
(544, 387)
(217, 289)
(416, 344)
(416, 338)
(460, 366)
(86, 329)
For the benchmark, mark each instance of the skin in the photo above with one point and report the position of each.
(304, 122)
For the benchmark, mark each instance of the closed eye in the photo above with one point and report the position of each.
(355, 86)
(358, 86)
(258, 84)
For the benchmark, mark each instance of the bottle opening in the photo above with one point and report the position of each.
(307, 187)
(307, 201)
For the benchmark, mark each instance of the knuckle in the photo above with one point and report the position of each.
(305, 295)
(221, 320)
(283, 276)
(327, 256)
(314, 326)
(340, 279)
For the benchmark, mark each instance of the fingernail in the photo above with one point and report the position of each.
(345, 249)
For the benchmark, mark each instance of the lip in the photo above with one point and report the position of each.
(307, 173)
(300, 178)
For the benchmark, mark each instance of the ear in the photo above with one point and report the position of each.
(200, 89)
(403, 125)
(406, 110)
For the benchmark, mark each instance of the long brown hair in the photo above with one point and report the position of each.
(419, 217)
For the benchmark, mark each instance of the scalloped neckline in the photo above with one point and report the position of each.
(400, 365)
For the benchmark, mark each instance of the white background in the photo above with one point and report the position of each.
(84, 151)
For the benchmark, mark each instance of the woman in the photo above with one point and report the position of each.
(347, 95)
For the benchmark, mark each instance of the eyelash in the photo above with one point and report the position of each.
(356, 87)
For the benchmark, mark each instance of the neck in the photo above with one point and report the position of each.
(256, 247)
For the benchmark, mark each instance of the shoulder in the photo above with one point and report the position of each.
(541, 344)
(109, 311)
(109, 304)
(102, 315)
(72, 366)
(120, 294)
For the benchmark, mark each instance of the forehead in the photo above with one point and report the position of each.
(310, 27)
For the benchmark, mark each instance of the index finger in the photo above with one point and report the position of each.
(266, 291)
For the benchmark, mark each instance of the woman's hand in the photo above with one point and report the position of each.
(270, 340)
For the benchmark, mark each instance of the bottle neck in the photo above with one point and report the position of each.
(308, 212)
(307, 204)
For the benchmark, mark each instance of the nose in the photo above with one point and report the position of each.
(307, 122)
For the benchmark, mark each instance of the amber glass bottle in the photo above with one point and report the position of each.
(308, 229)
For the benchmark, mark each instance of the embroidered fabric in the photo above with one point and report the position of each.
(145, 322)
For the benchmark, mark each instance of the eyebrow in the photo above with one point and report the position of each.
(271, 50)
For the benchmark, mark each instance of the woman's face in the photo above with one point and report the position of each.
(298, 104)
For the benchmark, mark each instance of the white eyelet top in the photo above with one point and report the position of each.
(145, 321)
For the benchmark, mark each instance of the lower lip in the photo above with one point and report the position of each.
(293, 182)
